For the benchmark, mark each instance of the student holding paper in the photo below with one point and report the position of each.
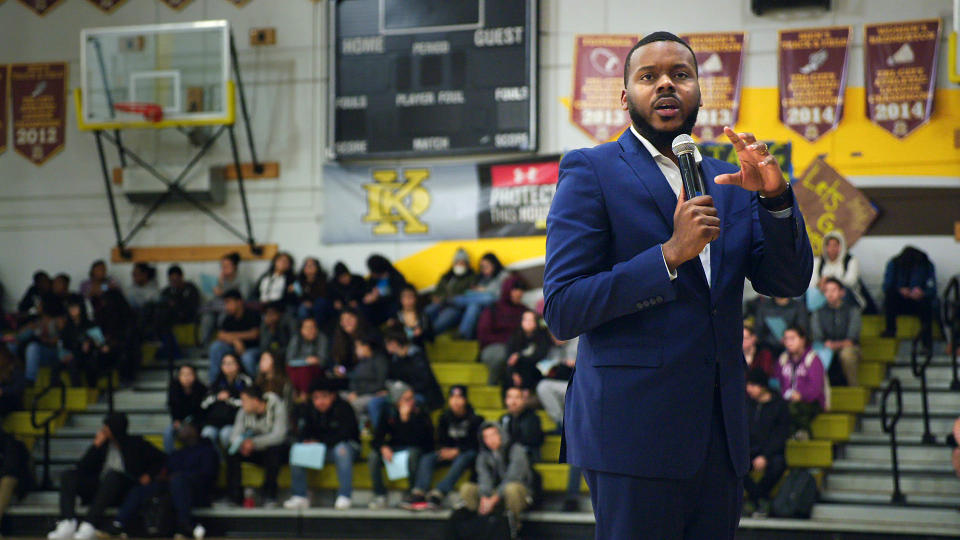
(404, 432)
(327, 421)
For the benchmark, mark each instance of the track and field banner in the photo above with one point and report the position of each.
(38, 95)
(830, 202)
(597, 82)
(901, 73)
(812, 80)
(515, 197)
(720, 63)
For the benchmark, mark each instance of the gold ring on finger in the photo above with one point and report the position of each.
(762, 148)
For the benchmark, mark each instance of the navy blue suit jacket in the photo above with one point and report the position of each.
(651, 349)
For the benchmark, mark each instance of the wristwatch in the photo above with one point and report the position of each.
(780, 202)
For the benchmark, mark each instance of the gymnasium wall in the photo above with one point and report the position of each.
(56, 216)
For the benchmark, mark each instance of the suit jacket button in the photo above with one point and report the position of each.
(714, 312)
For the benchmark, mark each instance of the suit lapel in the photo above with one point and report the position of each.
(648, 173)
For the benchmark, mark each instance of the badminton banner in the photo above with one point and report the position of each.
(813, 76)
(38, 93)
(720, 61)
(901, 75)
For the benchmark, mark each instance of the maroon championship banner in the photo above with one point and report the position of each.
(3, 109)
(176, 4)
(901, 76)
(38, 93)
(720, 62)
(597, 82)
(813, 77)
(239, 3)
(107, 6)
(41, 7)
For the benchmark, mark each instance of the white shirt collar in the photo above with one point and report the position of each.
(653, 150)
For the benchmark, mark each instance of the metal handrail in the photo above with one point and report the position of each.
(951, 324)
(55, 384)
(891, 427)
(920, 370)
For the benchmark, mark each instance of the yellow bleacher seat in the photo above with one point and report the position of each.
(18, 422)
(878, 349)
(449, 373)
(481, 396)
(185, 334)
(850, 399)
(871, 374)
(445, 349)
(77, 399)
(833, 426)
(809, 453)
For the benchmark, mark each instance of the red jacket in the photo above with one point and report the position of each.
(499, 321)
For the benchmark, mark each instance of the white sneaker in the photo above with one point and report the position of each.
(199, 532)
(64, 530)
(378, 503)
(85, 532)
(297, 502)
(342, 503)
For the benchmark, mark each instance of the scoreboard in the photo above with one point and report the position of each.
(415, 78)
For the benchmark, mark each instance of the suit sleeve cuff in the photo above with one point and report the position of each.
(671, 275)
(782, 214)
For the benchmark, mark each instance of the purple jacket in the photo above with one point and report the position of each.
(804, 376)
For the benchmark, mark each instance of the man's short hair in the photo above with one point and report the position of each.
(832, 279)
(232, 294)
(397, 336)
(651, 38)
(253, 391)
(175, 269)
(278, 307)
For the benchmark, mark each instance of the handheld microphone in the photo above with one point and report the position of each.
(683, 148)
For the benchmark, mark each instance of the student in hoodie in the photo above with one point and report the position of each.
(259, 436)
(497, 324)
(768, 419)
(111, 467)
(910, 288)
(345, 290)
(367, 380)
(184, 401)
(276, 329)
(411, 319)
(328, 420)
(802, 381)
(836, 262)
(308, 357)
(528, 346)
(835, 327)
(457, 442)
(521, 423)
(223, 401)
(404, 426)
(444, 314)
(30, 302)
(381, 298)
(408, 363)
(504, 477)
(79, 350)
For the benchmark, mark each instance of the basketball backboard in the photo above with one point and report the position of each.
(182, 67)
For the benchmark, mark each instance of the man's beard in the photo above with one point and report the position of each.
(660, 139)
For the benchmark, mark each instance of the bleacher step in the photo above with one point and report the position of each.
(890, 518)
(910, 424)
(880, 453)
(839, 496)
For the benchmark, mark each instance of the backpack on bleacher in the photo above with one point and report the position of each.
(797, 495)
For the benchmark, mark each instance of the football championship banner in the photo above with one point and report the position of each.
(901, 74)
(830, 202)
(597, 82)
(812, 79)
(38, 95)
(720, 64)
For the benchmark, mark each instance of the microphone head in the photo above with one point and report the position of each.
(683, 144)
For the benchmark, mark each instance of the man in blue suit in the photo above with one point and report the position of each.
(653, 284)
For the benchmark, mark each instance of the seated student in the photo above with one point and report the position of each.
(528, 346)
(343, 352)
(40, 338)
(312, 293)
(229, 279)
(367, 388)
(836, 262)
(836, 328)
(97, 282)
(328, 420)
(307, 357)
(12, 382)
(192, 471)
(16, 474)
(118, 324)
(381, 298)
(184, 402)
(410, 319)
(272, 377)
(769, 427)
(30, 303)
(442, 312)
(115, 463)
(521, 423)
(277, 283)
(910, 288)
(496, 325)
(773, 316)
(239, 334)
(144, 292)
(755, 356)
(484, 292)
(259, 436)
(504, 477)
(408, 363)
(457, 440)
(179, 303)
(223, 401)
(802, 381)
(404, 426)
(78, 349)
(345, 289)
(552, 391)
(276, 329)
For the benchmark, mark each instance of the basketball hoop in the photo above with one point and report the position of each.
(150, 111)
